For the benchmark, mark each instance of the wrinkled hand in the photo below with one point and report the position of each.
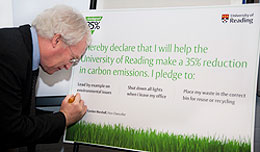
(73, 111)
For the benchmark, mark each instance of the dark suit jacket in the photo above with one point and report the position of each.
(17, 128)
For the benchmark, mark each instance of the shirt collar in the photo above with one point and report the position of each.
(36, 49)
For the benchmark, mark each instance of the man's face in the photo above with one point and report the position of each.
(62, 56)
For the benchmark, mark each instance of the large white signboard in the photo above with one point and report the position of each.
(58, 85)
(179, 79)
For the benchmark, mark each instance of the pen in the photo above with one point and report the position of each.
(71, 99)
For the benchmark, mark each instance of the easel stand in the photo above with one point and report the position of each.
(76, 147)
(93, 5)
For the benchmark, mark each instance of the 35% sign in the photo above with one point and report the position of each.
(193, 62)
(93, 25)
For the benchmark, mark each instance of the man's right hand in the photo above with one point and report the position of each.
(73, 111)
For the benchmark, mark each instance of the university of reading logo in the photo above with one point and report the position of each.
(93, 22)
(225, 18)
(238, 18)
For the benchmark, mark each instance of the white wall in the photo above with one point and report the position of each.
(6, 13)
(24, 11)
(114, 4)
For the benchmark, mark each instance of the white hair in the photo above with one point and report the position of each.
(64, 20)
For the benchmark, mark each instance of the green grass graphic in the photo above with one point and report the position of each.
(150, 140)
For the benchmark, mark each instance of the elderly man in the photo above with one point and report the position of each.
(57, 39)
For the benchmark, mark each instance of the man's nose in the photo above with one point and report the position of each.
(67, 66)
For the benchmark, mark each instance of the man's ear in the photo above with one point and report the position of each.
(56, 40)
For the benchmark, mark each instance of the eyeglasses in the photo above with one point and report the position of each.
(74, 60)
